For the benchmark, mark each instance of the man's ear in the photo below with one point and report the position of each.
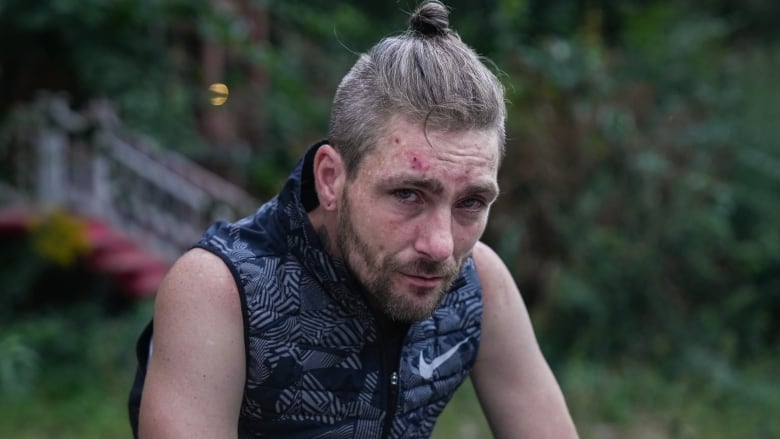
(329, 176)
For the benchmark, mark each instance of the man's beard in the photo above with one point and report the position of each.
(376, 278)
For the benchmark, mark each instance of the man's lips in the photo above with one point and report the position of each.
(424, 281)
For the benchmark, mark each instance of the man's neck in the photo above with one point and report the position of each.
(323, 223)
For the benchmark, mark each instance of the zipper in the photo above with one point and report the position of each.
(391, 386)
(392, 397)
(392, 379)
(390, 374)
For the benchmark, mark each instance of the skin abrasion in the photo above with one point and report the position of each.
(416, 163)
(413, 213)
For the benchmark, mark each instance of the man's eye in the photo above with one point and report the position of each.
(406, 195)
(472, 204)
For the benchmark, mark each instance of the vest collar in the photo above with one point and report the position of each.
(297, 198)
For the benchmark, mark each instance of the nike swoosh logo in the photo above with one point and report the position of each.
(426, 368)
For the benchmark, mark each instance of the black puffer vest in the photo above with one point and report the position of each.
(317, 363)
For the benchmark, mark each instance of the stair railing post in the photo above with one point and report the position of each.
(50, 165)
(101, 186)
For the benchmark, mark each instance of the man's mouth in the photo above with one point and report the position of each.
(424, 280)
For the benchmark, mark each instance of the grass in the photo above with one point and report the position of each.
(93, 413)
(77, 383)
(712, 400)
(84, 366)
(462, 418)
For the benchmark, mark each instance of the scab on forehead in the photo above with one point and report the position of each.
(416, 162)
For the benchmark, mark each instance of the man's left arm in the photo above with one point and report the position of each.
(514, 383)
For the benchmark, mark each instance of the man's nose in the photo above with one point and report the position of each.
(435, 238)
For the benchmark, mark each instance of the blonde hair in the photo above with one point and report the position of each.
(427, 74)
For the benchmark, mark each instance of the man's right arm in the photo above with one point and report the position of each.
(195, 379)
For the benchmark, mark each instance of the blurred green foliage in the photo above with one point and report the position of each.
(68, 372)
(641, 188)
(50, 304)
(645, 210)
(142, 55)
(66, 336)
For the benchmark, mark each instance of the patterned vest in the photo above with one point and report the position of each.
(316, 360)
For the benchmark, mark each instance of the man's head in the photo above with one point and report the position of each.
(428, 75)
(405, 187)
(408, 220)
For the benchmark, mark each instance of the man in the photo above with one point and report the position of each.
(354, 303)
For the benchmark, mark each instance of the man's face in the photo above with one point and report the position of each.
(414, 212)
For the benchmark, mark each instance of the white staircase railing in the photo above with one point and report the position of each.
(85, 162)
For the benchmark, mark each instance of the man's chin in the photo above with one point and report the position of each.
(414, 304)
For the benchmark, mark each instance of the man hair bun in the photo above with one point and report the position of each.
(431, 19)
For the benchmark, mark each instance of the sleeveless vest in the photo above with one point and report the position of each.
(316, 359)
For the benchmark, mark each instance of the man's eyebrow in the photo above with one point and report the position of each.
(428, 184)
(490, 189)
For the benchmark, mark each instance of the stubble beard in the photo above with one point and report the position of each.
(376, 275)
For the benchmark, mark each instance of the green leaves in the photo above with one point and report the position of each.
(18, 364)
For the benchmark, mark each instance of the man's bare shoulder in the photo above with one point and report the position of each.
(196, 375)
(200, 267)
(198, 280)
(485, 257)
(516, 388)
(493, 274)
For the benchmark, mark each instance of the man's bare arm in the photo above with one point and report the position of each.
(515, 386)
(196, 373)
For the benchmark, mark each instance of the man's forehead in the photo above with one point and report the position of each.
(401, 124)
(464, 145)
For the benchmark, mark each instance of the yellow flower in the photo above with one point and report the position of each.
(59, 237)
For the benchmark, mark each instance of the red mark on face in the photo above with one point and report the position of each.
(417, 163)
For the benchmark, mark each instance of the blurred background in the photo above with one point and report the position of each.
(640, 205)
